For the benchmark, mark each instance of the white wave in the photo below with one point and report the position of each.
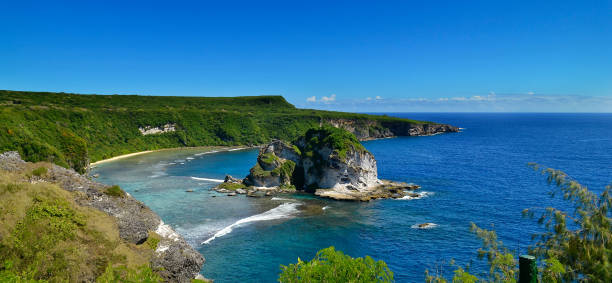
(208, 152)
(419, 195)
(190, 158)
(158, 174)
(208, 179)
(424, 226)
(234, 149)
(282, 199)
(326, 207)
(284, 210)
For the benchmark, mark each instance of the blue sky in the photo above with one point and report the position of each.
(361, 56)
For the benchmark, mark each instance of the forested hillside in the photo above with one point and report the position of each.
(72, 130)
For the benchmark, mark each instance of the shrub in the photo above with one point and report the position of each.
(152, 240)
(330, 265)
(40, 171)
(114, 191)
(142, 274)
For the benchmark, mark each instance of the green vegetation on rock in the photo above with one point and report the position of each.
(285, 171)
(330, 265)
(231, 186)
(340, 140)
(114, 191)
(268, 159)
(46, 237)
(72, 130)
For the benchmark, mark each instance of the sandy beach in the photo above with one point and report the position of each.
(205, 148)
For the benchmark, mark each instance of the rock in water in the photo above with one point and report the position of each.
(327, 161)
(275, 166)
(333, 158)
(230, 179)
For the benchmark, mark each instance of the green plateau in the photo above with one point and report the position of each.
(73, 130)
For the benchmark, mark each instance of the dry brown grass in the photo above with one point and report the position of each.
(45, 234)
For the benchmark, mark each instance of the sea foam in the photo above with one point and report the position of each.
(208, 179)
(424, 226)
(420, 195)
(284, 210)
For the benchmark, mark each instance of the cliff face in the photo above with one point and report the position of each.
(335, 159)
(173, 258)
(372, 129)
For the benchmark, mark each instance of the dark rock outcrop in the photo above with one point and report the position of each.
(275, 165)
(174, 257)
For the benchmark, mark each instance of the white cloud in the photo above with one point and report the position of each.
(330, 98)
(487, 102)
(311, 99)
(531, 93)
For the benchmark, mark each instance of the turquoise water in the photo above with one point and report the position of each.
(479, 175)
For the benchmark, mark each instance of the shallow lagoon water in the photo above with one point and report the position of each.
(479, 175)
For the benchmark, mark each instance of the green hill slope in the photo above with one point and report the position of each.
(72, 129)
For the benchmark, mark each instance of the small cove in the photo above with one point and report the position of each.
(479, 175)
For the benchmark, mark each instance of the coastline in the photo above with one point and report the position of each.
(205, 148)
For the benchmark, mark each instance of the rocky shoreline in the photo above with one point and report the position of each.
(174, 258)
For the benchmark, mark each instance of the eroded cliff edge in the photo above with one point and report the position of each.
(366, 129)
(170, 256)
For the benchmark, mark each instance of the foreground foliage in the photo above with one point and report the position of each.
(46, 236)
(72, 130)
(330, 265)
(580, 250)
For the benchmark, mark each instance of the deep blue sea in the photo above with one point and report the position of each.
(479, 175)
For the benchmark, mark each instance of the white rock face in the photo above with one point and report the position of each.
(149, 130)
(358, 172)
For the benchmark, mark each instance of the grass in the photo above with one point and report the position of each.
(72, 130)
(114, 191)
(45, 235)
(153, 240)
(40, 171)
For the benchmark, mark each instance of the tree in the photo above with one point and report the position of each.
(330, 265)
(578, 251)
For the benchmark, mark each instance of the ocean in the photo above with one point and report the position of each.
(479, 175)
